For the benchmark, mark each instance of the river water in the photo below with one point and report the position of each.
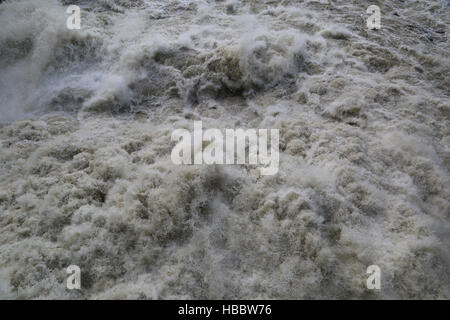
(85, 141)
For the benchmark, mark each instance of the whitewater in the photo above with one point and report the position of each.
(86, 176)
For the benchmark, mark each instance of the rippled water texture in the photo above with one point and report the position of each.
(85, 171)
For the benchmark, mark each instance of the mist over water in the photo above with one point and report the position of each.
(86, 179)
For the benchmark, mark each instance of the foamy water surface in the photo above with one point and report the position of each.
(85, 141)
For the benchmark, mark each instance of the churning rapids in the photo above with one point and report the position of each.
(85, 141)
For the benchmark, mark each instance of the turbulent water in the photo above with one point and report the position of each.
(85, 141)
